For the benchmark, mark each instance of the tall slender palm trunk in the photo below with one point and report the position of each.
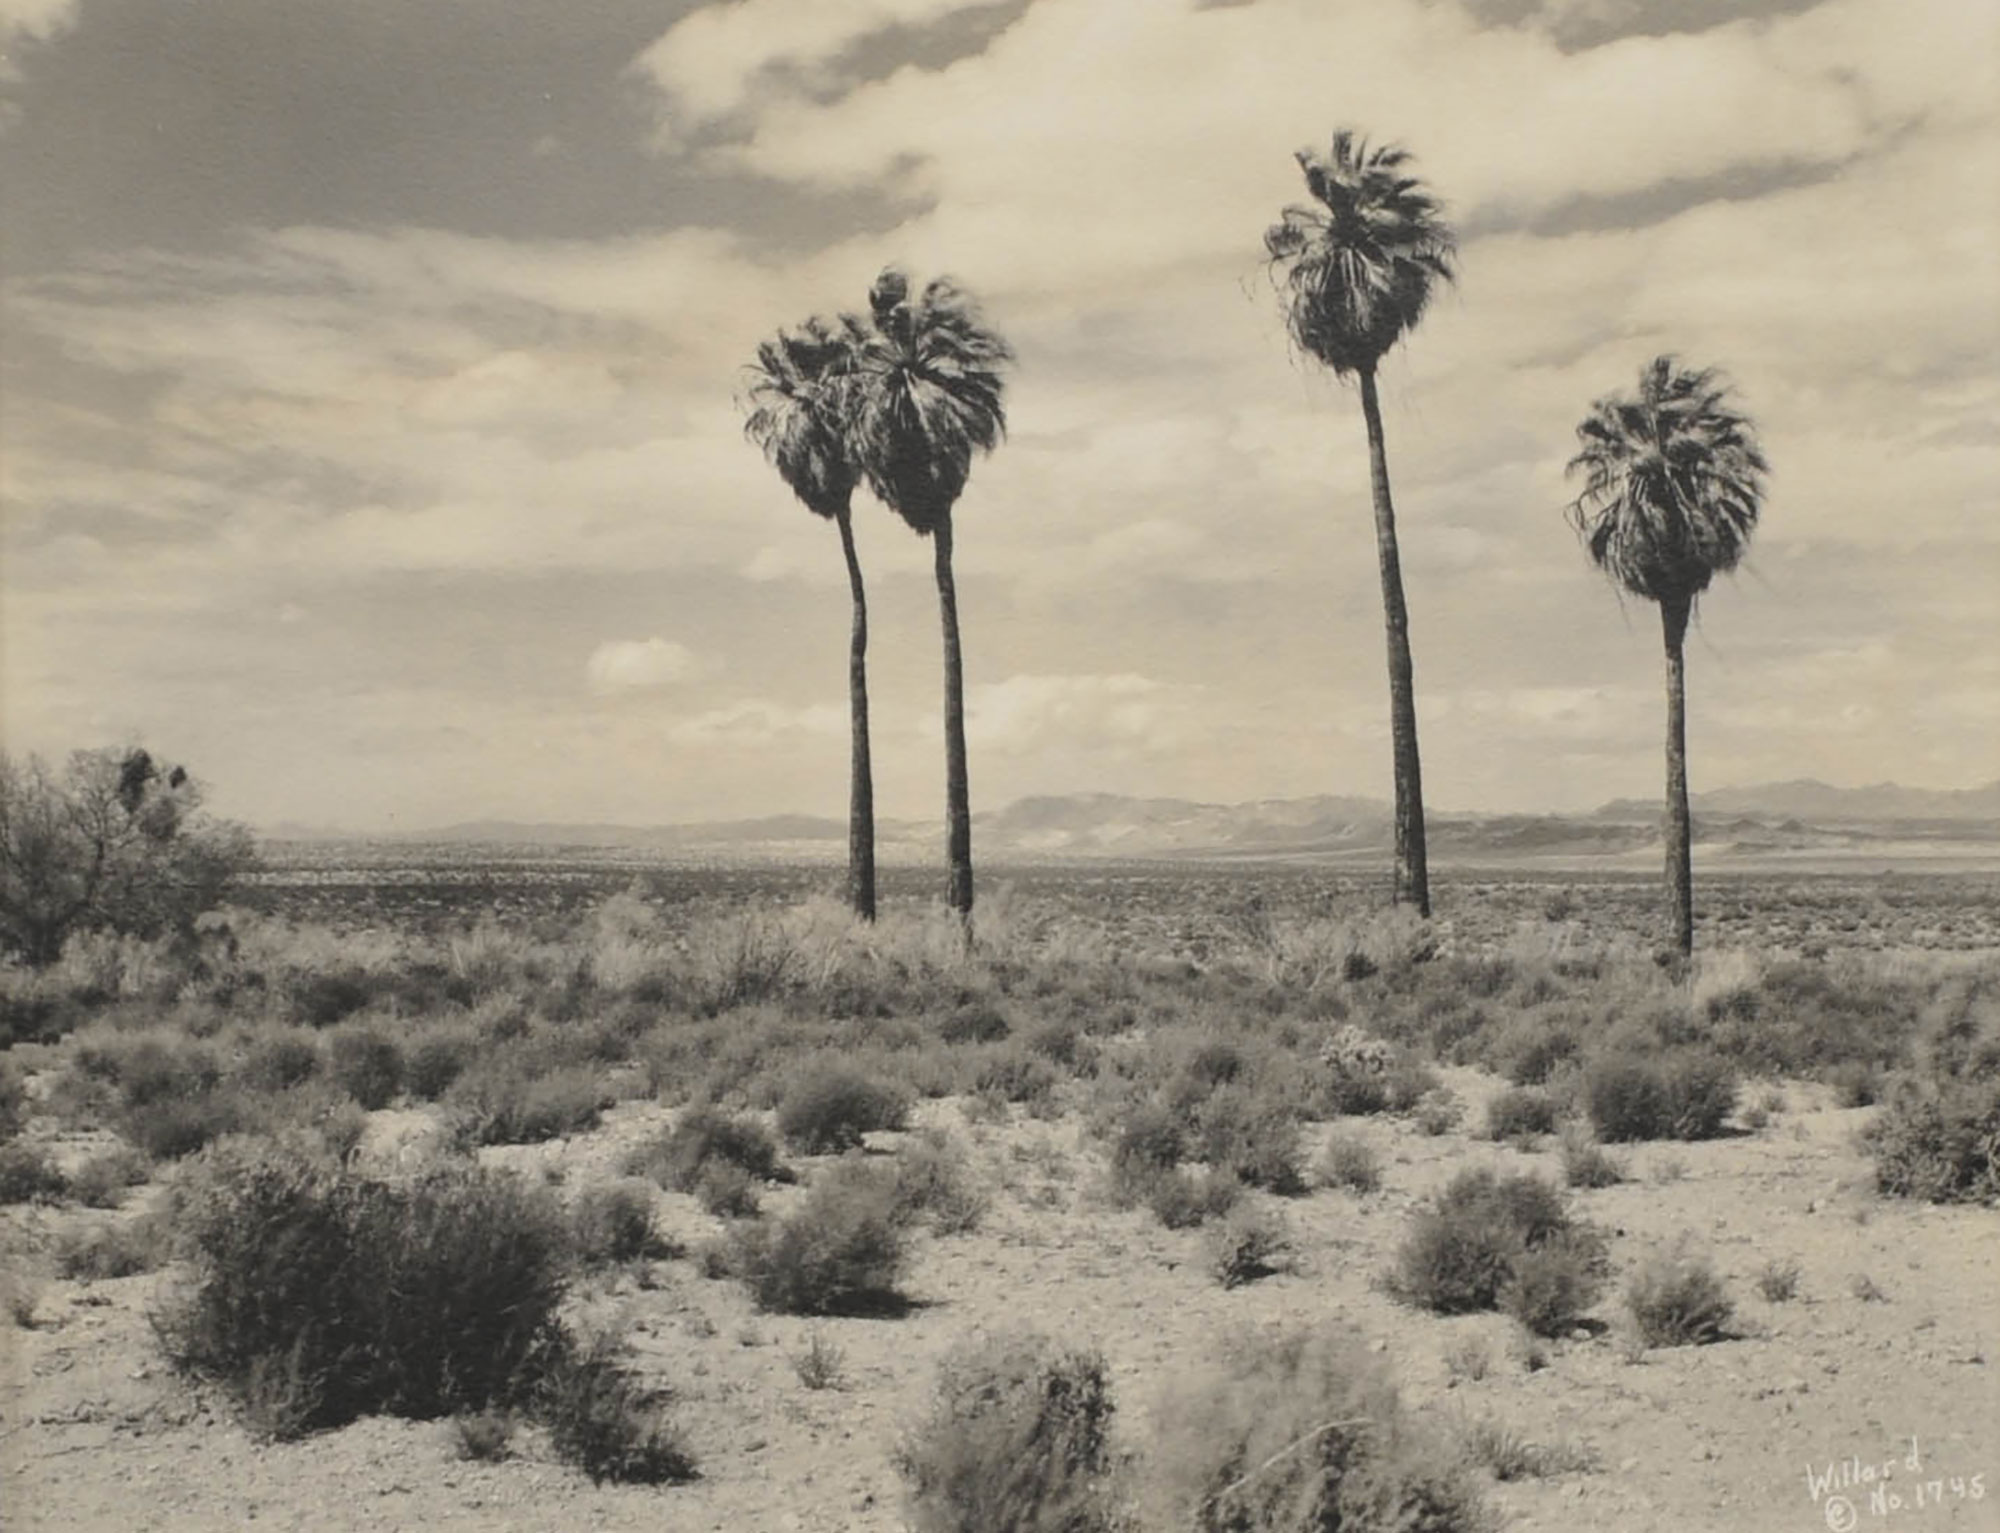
(860, 774)
(1678, 831)
(1413, 880)
(958, 792)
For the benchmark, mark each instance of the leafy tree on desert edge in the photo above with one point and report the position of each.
(1673, 484)
(799, 414)
(927, 396)
(1356, 267)
(115, 842)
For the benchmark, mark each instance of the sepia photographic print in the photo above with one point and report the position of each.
(1000, 766)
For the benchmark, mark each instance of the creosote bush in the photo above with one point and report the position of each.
(703, 1139)
(1248, 1244)
(27, 1175)
(935, 1183)
(1685, 1094)
(319, 1295)
(1486, 1238)
(1347, 1162)
(1302, 1432)
(1017, 1441)
(1521, 1112)
(611, 1223)
(828, 1106)
(604, 1421)
(1939, 1141)
(1677, 1300)
(841, 1251)
(367, 1064)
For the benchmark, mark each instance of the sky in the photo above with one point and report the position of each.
(369, 378)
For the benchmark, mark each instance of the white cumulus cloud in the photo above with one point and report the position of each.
(631, 665)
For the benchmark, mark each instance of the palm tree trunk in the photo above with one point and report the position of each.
(958, 792)
(860, 776)
(1413, 880)
(1678, 830)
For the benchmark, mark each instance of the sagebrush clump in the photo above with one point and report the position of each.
(1017, 1440)
(842, 1251)
(1488, 1237)
(1677, 1300)
(319, 1295)
(1301, 1432)
(828, 1107)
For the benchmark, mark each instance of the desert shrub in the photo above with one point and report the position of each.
(323, 997)
(482, 1436)
(1939, 1141)
(1676, 1300)
(111, 1250)
(1587, 1163)
(828, 1107)
(1015, 1073)
(1778, 1281)
(704, 1137)
(821, 1364)
(147, 1067)
(27, 1175)
(280, 1061)
(612, 1222)
(1685, 1094)
(175, 1127)
(1552, 1284)
(1017, 1440)
(602, 1420)
(1252, 1134)
(13, 1101)
(1530, 1051)
(1855, 1083)
(1248, 1244)
(1796, 1017)
(1061, 1042)
(1438, 1112)
(320, 1295)
(1302, 1432)
(436, 1059)
(1349, 1163)
(1520, 1112)
(504, 1101)
(1491, 1442)
(1182, 1199)
(1464, 1250)
(935, 1183)
(367, 1065)
(1150, 1140)
(101, 1181)
(726, 1190)
(841, 1251)
(976, 1021)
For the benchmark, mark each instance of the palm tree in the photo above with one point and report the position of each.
(927, 397)
(798, 407)
(1357, 266)
(1673, 483)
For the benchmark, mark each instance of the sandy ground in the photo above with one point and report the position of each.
(97, 1436)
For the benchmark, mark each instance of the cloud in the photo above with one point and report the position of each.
(37, 19)
(638, 665)
(716, 62)
(1095, 714)
(754, 723)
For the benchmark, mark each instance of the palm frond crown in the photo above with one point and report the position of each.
(927, 395)
(1357, 265)
(797, 403)
(1673, 482)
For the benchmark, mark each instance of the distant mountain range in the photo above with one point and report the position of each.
(1784, 821)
